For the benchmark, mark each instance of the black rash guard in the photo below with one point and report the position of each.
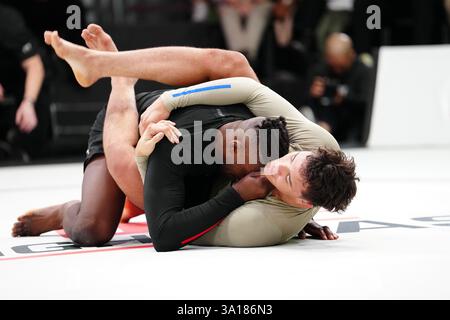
(176, 196)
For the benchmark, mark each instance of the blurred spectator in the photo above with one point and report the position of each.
(200, 11)
(283, 12)
(244, 23)
(290, 53)
(24, 107)
(339, 89)
(336, 18)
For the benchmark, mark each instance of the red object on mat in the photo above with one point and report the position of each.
(130, 210)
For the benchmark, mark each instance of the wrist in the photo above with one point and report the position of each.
(139, 154)
(29, 101)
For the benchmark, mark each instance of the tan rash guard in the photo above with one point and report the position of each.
(266, 221)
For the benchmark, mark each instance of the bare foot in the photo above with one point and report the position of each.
(78, 58)
(38, 221)
(97, 39)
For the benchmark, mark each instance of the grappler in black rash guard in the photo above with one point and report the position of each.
(305, 179)
(177, 196)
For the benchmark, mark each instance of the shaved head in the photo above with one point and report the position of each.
(339, 52)
(339, 44)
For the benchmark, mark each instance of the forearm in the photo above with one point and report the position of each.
(141, 163)
(218, 92)
(120, 135)
(261, 100)
(34, 78)
(171, 230)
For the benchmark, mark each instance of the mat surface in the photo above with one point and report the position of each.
(394, 242)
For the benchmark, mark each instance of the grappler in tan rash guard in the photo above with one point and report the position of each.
(262, 222)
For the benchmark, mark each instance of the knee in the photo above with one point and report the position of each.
(232, 63)
(116, 163)
(91, 234)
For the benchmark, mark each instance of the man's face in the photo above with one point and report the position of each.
(247, 144)
(287, 177)
(339, 63)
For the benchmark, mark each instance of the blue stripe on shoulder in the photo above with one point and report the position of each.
(184, 93)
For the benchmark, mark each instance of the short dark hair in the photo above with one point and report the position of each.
(330, 179)
(276, 124)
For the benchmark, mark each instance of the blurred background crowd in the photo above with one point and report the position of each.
(318, 54)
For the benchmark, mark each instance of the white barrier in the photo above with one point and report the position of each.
(411, 104)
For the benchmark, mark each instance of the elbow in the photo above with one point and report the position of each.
(162, 248)
(163, 237)
(162, 244)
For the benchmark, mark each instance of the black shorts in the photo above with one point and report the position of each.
(95, 142)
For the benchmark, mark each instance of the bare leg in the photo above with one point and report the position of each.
(169, 65)
(38, 221)
(120, 135)
(95, 219)
(89, 222)
(120, 131)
